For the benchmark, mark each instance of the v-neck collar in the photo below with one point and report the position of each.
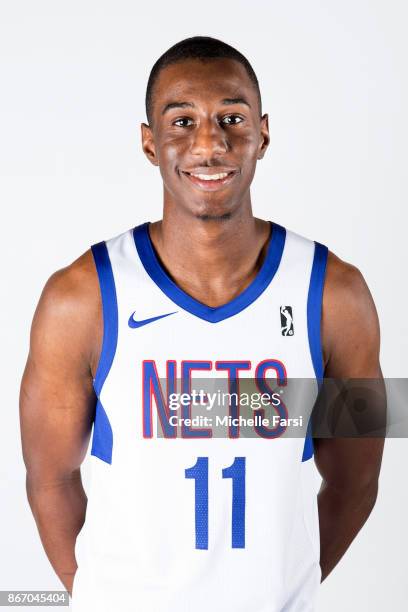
(159, 276)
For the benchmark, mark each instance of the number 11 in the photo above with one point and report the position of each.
(236, 471)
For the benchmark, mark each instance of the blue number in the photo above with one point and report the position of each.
(200, 473)
(236, 471)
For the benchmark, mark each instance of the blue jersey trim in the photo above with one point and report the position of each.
(314, 308)
(157, 273)
(102, 440)
(314, 315)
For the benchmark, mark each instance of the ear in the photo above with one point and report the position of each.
(265, 138)
(148, 145)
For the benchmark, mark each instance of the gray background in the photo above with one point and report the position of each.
(334, 82)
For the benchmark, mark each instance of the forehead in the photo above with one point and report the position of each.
(209, 80)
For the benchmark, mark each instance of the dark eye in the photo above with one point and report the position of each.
(232, 119)
(183, 122)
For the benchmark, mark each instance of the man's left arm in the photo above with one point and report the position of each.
(349, 467)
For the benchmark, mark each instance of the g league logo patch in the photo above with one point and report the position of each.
(286, 316)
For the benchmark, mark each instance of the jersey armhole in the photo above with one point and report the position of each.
(109, 313)
(314, 317)
(102, 440)
(314, 308)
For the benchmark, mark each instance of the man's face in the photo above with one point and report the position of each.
(206, 135)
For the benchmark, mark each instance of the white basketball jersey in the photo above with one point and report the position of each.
(179, 518)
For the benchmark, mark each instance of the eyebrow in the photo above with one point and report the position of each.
(225, 101)
(228, 101)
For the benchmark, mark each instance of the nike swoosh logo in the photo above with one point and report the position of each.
(134, 324)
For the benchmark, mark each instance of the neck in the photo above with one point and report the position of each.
(213, 259)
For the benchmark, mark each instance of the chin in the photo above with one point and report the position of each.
(214, 212)
(214, 216)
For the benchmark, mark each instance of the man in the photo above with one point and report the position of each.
(208, 288)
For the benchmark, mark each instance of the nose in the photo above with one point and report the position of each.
(209, 140)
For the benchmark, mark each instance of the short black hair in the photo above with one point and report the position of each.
(202, 48)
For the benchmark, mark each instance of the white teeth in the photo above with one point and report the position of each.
(210, 177)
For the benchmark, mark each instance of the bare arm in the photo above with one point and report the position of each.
(57, 403)
(349, 466)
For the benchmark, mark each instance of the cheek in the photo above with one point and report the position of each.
(245, 147)
(170, 153)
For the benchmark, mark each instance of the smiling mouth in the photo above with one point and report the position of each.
(210, 182)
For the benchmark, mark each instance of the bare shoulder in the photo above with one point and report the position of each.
(350, 326)
(70, 310)
(74, 285)
(345, 281)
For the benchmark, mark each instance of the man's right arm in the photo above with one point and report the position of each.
(57, 403)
